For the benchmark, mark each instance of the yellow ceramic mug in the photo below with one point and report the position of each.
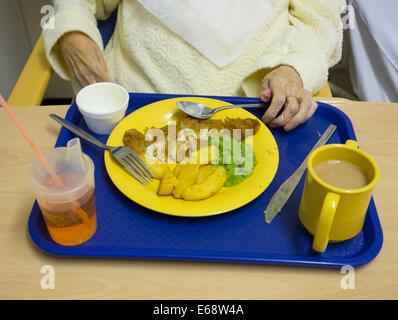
(330, 213)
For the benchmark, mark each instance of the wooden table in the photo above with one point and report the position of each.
(376, 126)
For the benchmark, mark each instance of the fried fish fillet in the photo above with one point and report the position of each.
(242, 124)
(209, 124)
(166, 130)
(190, 123)
(135, 140)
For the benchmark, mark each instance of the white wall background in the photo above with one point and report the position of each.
(14, 45)
(19, 31)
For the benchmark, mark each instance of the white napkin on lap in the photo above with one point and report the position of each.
(219, 29)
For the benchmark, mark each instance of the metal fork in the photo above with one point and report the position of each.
(124, 155)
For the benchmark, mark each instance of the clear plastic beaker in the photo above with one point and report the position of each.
(67, 203)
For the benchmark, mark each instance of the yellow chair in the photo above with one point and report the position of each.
(325, 92)
(33, 81)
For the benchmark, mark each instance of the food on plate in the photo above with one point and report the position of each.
(158, 169)
(192, 182)
(202, 166)
(207, 187)
(189, 123)
(204, 172)
(202, 156)
(167, 184)
(212, 124)
(242, 124)
(186, 175)
(238, 168)
(135, 140)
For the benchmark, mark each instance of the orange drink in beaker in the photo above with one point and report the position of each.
(68, 209)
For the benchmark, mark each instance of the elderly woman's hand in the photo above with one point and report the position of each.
(284, 88)
(83, 58)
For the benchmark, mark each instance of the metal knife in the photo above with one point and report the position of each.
(284, 192)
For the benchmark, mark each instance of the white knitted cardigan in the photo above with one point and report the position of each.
(145, 56)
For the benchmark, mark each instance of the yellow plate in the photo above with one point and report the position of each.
(158, 114)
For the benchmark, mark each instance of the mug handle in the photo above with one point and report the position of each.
(321, 237)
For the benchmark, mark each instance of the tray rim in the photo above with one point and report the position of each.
(172, 254)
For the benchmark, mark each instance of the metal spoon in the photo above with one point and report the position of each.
(198, 110)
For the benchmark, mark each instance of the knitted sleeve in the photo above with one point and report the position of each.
(75, 15)
(311, 44)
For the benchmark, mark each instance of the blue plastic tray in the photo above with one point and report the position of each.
(127, 230)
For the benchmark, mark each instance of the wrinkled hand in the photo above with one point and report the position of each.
(284, 88)
(83, 57)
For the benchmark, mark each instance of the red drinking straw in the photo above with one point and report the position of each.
(40, 155)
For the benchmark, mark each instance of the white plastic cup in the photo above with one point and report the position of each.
(103, 105)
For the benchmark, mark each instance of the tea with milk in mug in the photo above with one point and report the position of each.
(341, 174)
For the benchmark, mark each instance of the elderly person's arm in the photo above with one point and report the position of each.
(74, 47)
(311, 45)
